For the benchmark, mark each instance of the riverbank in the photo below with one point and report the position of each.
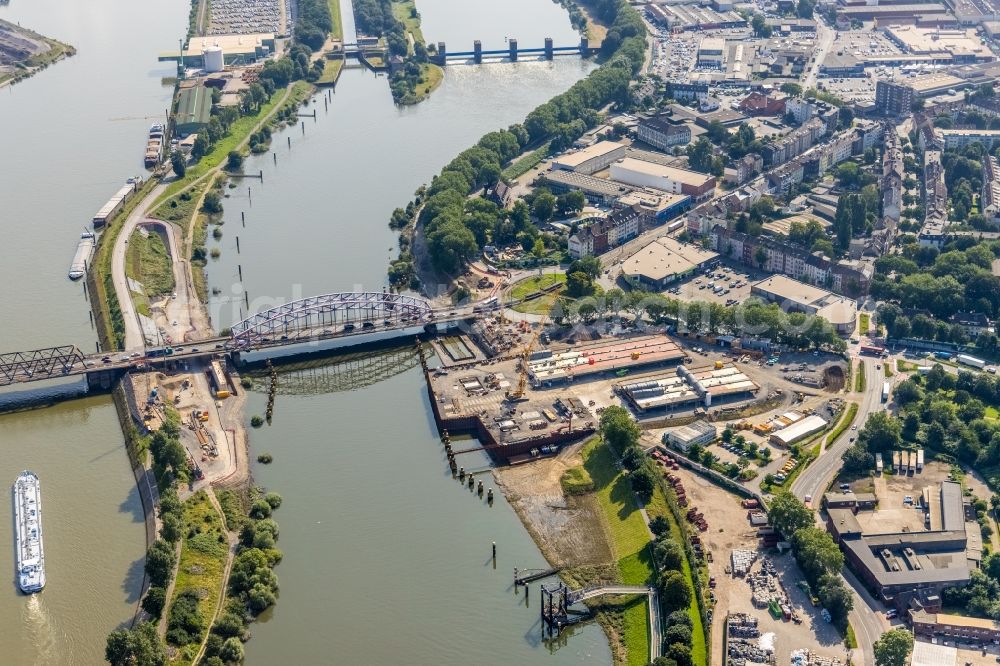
(25, 66)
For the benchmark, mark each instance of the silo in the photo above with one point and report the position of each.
(212, 57)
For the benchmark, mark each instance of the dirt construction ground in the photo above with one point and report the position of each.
(729, 529)
(562, 526)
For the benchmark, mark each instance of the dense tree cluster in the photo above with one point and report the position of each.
(131, 647)
(893, 648)
(957, 278)
(856, 215)
(751, 318)
(944, 413)
(375, 18)
(313, 23)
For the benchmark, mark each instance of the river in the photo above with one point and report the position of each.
(72, 134)
(386, 558)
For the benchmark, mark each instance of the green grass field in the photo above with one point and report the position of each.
(148, 261)
(865, 322)
(331, 69)
(526, 163)
(630, 542)
(203, 561)
(543, 304)
(338, 22)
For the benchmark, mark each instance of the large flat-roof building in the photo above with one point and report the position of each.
(955, 627)
(960, 138)
(628, 170)
(590, 159)
(683, 438)
(907, 566)
(547, 367)
(236, 49)
(799, 430)
(795, 296)
(663, 261)
(686, 387)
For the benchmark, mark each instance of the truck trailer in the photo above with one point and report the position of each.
(971, 361)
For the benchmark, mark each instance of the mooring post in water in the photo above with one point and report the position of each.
(303, 128)
(515, 578)
(246, 299)
(239, 267)
(525, 594)
(289, 142)
(243, 217)
(275, 156)
(479, 488)
(261, 176)
(489, 496)
(91, 319)
(494, 551)
(237, 245)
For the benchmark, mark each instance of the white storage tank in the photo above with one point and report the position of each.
(213, 59)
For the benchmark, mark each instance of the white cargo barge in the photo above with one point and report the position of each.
(84, 253)
(28, 533)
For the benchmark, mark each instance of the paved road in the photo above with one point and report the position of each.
(814, 479)
(134, 340)
(866, 617)
(824, 40)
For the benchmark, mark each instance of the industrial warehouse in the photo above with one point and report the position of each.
(912, 568)
(686, 387)
(546, 367)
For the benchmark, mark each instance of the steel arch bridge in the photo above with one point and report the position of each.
(346, 373)
(329, 315)
(37, 364)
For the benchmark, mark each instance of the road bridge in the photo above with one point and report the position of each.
(356, 317)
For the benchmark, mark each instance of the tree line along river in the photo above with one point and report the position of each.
(385, 557)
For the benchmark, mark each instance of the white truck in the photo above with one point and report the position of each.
(972, 361)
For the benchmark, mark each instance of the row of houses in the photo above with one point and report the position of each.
(794, 143)
(990, 204)
(597, 235)
(932, 233)
(848, 277)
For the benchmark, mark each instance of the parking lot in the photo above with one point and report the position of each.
(894, 513)
(248, 17)
(724, 285)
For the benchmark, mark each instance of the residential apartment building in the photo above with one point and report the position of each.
(782, 179)
(893, 99)
(775, 256)
(960, 138)
(597, 235)
(794, 143)
(743, 169)
(991, 190)
(892, 179)
(935, 201)
(682, 91)
(664, 132)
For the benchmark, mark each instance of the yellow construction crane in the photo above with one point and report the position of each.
(525, 355)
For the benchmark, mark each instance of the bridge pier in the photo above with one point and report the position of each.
(477, 50)
(549, 53)
(584, 46)
(512, 49)
(442, 54)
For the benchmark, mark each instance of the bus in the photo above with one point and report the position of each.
(872, 350)
(885, 392)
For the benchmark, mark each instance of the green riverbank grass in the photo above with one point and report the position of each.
(148, 261)
(630, 543)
